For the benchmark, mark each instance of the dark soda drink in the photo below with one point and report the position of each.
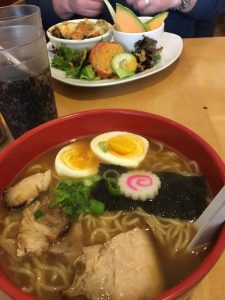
(27, 101)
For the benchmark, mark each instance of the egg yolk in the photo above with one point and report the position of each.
(79, 156)
(126, 145)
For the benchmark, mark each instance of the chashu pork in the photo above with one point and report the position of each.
(126, 267)
(36, 235)
(28, 189)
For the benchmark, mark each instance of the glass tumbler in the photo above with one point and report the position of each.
(23, 14)
(26, 94)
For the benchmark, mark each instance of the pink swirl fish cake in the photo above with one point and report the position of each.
(139, 185)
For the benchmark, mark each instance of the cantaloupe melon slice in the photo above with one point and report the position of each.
(156, 21)
(127, 21)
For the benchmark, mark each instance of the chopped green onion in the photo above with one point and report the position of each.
(110, 173)
(97, 207)
(74, 196)
(89, 181)
(113, 186)
(59, 197)
(38, 214)
(103, 146)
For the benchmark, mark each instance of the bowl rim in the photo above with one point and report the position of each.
(84, 41)
(206, 265)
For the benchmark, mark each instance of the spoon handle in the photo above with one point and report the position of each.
(209, 221)
(111, 10)
(16, 61)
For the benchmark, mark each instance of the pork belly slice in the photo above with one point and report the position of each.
(70, 246)
(28, 189)
(36, 235)
(126, 267)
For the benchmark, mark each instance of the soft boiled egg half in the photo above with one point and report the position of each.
(76, 160)
(120, 148)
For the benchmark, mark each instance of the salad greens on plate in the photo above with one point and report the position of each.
(76, 64)
(73, 62)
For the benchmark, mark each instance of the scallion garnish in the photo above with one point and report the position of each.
(103, 146)
(75, 197)
(113, 186)
(97, 207)
(38, 214)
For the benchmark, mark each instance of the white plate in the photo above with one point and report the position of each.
(172, 46)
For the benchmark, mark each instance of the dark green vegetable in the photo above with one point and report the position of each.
(65, 58)
(97, 207)
(73, 62)
(74, 195)
(76, 63)
(146, 53)
(88, 73)
(38, 214)
(113, 186)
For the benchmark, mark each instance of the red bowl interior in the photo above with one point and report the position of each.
(14, 157)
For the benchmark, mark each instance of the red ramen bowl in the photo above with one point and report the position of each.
(23, 150)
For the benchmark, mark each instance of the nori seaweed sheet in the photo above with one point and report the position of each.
(182, 197)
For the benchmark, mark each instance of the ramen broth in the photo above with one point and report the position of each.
(47, 275)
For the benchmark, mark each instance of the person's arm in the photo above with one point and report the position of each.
(87, 8)
(206, 9)
(49, 17)
(54, 11)
(196, 9)
(190, 5)
(62, 8)
(149, 7)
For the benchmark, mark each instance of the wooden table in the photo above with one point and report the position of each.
(191, 92)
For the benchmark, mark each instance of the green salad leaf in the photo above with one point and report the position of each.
(65, 58)
(88, 73)
(73, 62)
(146, 53)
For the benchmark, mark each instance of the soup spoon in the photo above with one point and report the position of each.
(209, 221)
